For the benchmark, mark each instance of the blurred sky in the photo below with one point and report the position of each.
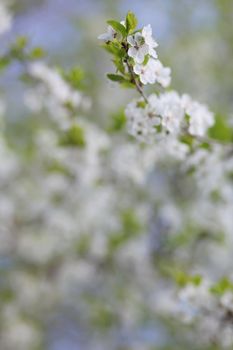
(50, 22)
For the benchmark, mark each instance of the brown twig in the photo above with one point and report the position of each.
(138, 87)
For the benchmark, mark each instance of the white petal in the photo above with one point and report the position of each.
(166, 82)
(132, 52)
(147, 30)
(151, 42)
(137, 69)
(139, 58)
(103, 37)
(153, 64)
(144, 49)
(150, 76)
(143, 79)
(153, 53)
(110, 30)
(131, 40)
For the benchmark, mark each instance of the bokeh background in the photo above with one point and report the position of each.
(195, 39)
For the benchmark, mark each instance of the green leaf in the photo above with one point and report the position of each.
(146, 60)
(74, 137)
(141, 104)
(4, 62)
(118, 121)
(130, 222)
(159, 128)
(130, 228)
(37, 53)
(75, 77)
(118, 27)
(21, 42)
(128, 85)
(114, 49)
(119, 65)
(187, 139)
(116, 78)
(196, 280)
(182, 279)
(222, 286)
(221, 131)
(56, 167)
(131, 22)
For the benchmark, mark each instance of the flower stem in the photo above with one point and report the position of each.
(138, 87)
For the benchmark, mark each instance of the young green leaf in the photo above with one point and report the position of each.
(118, 121)
(116, 77)
(131, 22)
(221, 130)
(222, 286)
(36, 53)
(128, 85)
(75, 77)
(119, 65)
(114, 50)
(4, 62)
(118, 27)
(141, 104)
(74, 137)
(21, 42)
(146, 60)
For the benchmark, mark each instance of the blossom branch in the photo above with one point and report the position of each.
(163, 114)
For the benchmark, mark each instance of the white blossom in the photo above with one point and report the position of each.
(171, 111)
(142, 44)
(200, 118)
(153, 72)
(58, 87)
(162, 74)
(141, 122)
(5, 18)
(146, 72)
(149, 40)
(139, 49)
(110, 35)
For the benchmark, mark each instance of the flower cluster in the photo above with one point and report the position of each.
(138, 51)
(146, 65)
(156, 116)
(210, 307)
(167, 114)
(53, 93)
